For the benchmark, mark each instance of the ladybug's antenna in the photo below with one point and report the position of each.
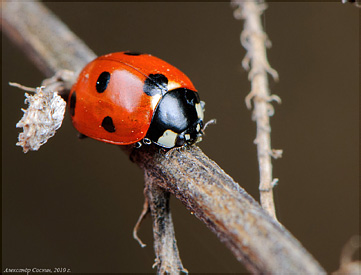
(209, 122)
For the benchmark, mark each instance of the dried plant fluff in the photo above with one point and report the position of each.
(43, 117)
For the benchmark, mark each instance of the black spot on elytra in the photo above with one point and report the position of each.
(72, 104)
(108, 124)
(133, 53)
(156, 84)
(102, 82)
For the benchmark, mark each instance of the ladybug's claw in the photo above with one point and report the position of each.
(147, 141)
(137, 145)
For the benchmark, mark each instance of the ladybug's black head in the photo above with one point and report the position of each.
(177, 120)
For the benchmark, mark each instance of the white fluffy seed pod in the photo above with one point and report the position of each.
(43, 117)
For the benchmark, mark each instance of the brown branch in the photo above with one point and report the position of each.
(165, 245)
(50, 44)
(254, 237)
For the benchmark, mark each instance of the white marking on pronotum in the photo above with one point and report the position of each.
(168, 138)
(187, 136)
(199, 111)
(173, 85)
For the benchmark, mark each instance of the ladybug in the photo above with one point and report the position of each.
(132, 98)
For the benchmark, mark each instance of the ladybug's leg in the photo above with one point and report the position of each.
(147, 141)
(137, 145)
(142, 216)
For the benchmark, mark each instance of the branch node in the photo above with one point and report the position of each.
(249, 97)
(276, 153)
(245, 61)
(274, 98)
(270, 110)
(272, 72)
(274, 182)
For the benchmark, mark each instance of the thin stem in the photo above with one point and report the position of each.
(254, 39)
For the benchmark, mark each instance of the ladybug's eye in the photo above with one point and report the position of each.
(102, 82)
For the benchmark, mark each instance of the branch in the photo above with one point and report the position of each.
(254, 237)
(165, 245)
(254, 40)
(50, 44)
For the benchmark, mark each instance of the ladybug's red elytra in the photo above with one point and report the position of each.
(131, 98)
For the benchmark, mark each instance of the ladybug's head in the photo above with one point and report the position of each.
(178, 119)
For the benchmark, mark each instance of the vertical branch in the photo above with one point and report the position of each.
(165, 245)
(255, 40)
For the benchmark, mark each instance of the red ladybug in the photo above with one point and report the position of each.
(132, 98)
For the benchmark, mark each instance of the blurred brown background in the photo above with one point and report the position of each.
(74, 203)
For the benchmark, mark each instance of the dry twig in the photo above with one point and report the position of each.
(40, 121)
(255, 40)
(259, 242)
(165, 245)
